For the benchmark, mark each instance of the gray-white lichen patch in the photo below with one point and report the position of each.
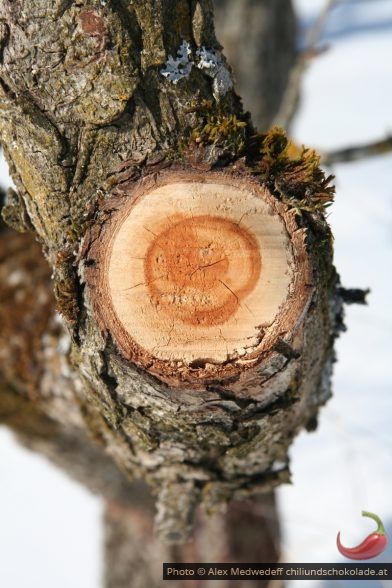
(208, 60)
(179, 67)
(211, 62)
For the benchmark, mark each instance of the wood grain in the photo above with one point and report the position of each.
(193, 273)
(195, 269)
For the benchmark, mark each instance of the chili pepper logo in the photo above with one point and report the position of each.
(370, 547)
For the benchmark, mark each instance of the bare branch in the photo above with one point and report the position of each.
(291, 97)
(357, 152)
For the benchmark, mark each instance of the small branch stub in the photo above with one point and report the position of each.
(213, 310)
(194, 276)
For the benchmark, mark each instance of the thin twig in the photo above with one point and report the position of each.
(291, 97)
(357, 152)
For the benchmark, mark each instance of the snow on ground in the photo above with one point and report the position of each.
(343, 467)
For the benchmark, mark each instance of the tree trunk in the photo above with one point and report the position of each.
(190, 258)
(249, 530)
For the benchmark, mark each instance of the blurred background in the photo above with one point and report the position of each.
(345, 466)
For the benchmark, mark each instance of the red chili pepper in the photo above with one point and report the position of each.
(370, 547)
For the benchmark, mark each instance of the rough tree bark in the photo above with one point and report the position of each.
(111, 112)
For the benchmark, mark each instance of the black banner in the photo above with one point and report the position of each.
(283, 571)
